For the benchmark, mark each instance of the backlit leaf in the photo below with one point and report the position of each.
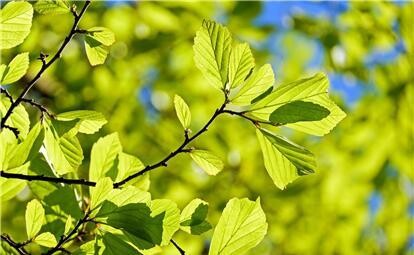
(15, 23)
(46, 239)
(64, 153)
(193, 217)
(100, 192)
(90, 121)
(16, 69)
(240, 64)
(255, 85)
(51, 7)
(183, 112)
(103, 155)
(35, 216)
(284, 160)
(210, 163)
(212, 47)
(171, 218)
(313, 89)
(241, 227)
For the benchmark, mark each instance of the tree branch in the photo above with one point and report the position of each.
(64, 239)
(179, 150)
(180, 250)
(17, 246)
(45, 178)
(46, 65)
(41, 108)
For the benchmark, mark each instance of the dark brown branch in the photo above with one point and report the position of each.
(179, 150)
(45, 178)
(41, 108)
(46, 65)
(17, 246)
(65, 238)
(180, 250)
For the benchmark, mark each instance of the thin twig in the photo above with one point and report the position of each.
(41, 108)
(17, 246)
(180, 250)
(45, 66)
(179, 150)
(65, 238)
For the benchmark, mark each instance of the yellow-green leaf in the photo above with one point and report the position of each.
(16, 69)
(35, 215)
(212, 47)
(51, 7)
(284, 160)
(240, 64)
(313, 89)
(46, 239)
(15, 23)
(207, 161)
(183, 112)
(255, 85)
(241, 227)
(103, 155)
(99, 193)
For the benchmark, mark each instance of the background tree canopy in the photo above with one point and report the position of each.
(361, 199)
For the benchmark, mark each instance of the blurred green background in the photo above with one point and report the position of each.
(361, 201)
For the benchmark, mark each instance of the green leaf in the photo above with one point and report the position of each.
(51, 7)
(63, 153)
(15, 23)
(96, 44)
(90, 121)
(296, 111)
(115, 245)
(135, 220)
(240, 64)
(183, 112)
(313, 89)
(35, 216)
(103, 155)
(193, 217)
(9, 188)
(128, 165)
(19, 119)
(121, 197)
(210, 163)
(212, 47)
(284, 160)
(100, 192)
(16, 69)
(27, 149)
(255, 85)
(171, 217)
(102, 35)
(68, 225)
(46, 239)
(241, 227)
